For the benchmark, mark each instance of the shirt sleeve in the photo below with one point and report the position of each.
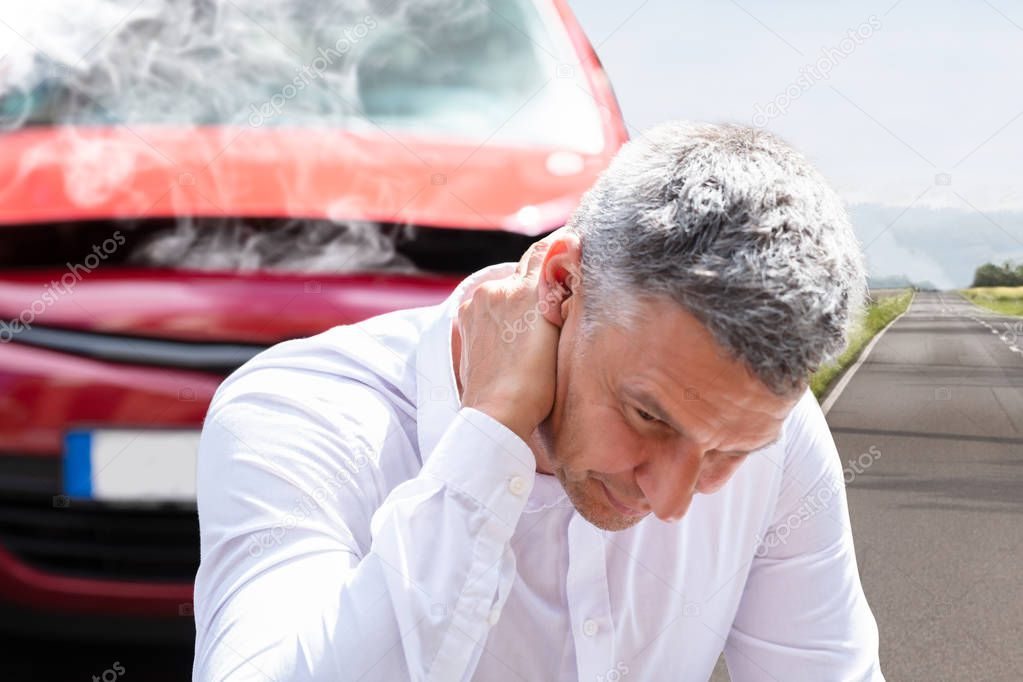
(803, 614)
(286, 590)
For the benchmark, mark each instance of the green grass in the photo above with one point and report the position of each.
(877, 315)
(1004, 300)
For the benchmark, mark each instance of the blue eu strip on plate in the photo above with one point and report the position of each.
(78, 464)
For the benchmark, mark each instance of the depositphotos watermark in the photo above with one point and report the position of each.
(816, 502)
(272, 107)
(307, 506)
(110, 674)
(811, 74)
(619, 672)
(1013, 333)
(529, 319)
(57, 288)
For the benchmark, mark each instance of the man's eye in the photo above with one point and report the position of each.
(646, 416)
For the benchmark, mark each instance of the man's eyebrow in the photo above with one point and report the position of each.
(651, 405)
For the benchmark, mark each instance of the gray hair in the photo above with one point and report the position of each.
(738, 228)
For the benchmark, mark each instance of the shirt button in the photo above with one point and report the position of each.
(590, 627)
(517, 485)
(495, 615)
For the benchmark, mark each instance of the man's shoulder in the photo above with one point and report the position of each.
(372, 361)
(806, 435)
(326, 399)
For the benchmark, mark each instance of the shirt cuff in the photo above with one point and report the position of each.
(486, 460)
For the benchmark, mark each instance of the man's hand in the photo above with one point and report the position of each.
(509, 350)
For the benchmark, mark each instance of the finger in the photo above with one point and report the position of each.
(532, 261)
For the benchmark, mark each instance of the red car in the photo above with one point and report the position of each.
(142, 258)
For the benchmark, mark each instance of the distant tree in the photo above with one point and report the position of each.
(1005, 275)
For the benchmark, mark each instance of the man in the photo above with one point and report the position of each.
(601, 462)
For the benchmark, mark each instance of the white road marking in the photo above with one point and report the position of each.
(847, 377)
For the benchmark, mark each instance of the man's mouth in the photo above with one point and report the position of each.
(620, 506)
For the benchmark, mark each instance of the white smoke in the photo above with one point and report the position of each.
(300, 246)
(209, 61)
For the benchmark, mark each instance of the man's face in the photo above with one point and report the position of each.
(644, 420)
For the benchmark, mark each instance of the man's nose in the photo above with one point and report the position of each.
(666, 480)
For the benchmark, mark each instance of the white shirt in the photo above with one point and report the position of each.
(357, 524)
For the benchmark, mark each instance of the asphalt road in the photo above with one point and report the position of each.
(937, 509)
(930, 431)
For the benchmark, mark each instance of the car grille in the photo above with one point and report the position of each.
(222, 358)
(86, 539)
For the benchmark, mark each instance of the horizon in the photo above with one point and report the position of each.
(933, 183)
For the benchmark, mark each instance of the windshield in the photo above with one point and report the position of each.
(501, 70)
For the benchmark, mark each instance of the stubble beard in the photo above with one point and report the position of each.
(583, 491)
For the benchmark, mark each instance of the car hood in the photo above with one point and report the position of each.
(75, 173)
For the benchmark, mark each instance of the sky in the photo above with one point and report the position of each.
(913, 110)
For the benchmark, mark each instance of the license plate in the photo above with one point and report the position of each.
(131, 465)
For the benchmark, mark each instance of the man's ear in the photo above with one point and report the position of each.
(560, 276)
